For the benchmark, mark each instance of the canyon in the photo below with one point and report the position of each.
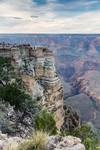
(36, 68)
(74, 76)
(74, 55)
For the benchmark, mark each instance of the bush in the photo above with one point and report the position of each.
(85, 131)
(88, 135)
(38, 141)
(24, 107)
(97, 148)
(12, 94)
(45, 121)
(89, 144)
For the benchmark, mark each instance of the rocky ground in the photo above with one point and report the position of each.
(54, 142)
(6, 141)
(64, 143)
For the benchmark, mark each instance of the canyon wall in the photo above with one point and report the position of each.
(36, 67)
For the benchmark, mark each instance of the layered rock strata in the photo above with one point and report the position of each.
(89, 83)
(36, 67)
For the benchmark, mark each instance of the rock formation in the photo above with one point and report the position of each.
(64, 143)
(6, 142)
(54, 143)
(36, 67)
(71, 119)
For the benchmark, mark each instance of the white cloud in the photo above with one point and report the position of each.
(18, 8)
(15, 17)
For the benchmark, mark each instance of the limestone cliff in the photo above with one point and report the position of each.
(36, 67)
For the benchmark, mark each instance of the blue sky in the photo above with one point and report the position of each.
(49, 16)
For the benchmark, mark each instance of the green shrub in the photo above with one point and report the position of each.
(45, 121)
(85, 131)
(23, 105)
(88, 135)
(89, 144)
(14, 92)
(15, 96)
(97, 148)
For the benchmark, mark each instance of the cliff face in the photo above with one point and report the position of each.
(90, 84)
(37, 69)
(86, 100)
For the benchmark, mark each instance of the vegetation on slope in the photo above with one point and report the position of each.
(45, 121)
(37, 141)
(45, 126)
(87, 134)
(13, 93)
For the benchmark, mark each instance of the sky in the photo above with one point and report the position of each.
(49, 16)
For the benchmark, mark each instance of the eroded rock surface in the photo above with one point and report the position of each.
(90, 84)
(64, 143)
(9, 142)
(54, 143)
(36, 67)
(86, 102)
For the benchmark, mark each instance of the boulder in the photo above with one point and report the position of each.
(64, 143)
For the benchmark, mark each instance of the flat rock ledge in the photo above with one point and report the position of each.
(64, 143)
(54, 142)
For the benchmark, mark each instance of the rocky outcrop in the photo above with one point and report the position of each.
(54, 143)
(64, 143)
(15, 123)
(36, 67)
(7, 143)
(71, 119)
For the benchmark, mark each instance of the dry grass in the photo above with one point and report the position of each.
(38, 141)
(27, 145)
(12, 146)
